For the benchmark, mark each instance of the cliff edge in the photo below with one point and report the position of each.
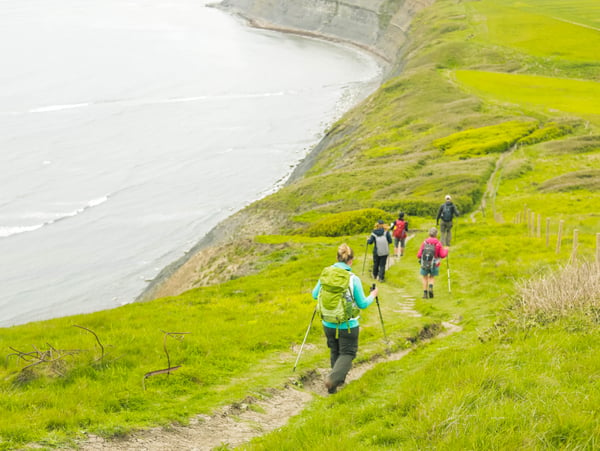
(377, 26)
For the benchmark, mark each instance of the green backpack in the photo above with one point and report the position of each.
(335, 302)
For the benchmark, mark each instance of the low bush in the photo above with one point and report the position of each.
(484, 140)
(347, 223)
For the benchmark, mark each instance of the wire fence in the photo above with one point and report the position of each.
(534, 228)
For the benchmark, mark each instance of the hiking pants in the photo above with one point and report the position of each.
(342, 351)
(379, 266)
(446, 230)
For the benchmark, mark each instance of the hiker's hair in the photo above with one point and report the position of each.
(433, 232)
(345, 253)
(379, 225)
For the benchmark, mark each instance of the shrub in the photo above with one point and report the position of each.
(547, 133)
(484, 140)
(347, 222)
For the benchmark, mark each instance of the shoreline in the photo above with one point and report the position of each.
(215, 236)
(209, 247)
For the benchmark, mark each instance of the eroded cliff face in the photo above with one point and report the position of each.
(379, 26)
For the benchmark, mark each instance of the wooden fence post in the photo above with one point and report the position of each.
(559, 238)
(547, 232)
(575, 239)
(539, 225)
(531, 222)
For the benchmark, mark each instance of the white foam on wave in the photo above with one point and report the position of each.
(6, 231)
(129, 102)
(46, 109)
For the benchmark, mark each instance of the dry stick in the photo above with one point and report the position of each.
(539, 225)
(559, 238)
(97, 339)
(170, 368)
(547, 232)
(172, 334)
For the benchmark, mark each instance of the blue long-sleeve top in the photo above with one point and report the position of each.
(358, 294)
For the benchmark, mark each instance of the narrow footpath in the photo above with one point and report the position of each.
(237, 424)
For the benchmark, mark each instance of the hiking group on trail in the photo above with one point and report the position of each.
(340, 295)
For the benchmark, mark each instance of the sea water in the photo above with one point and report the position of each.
(130, 128)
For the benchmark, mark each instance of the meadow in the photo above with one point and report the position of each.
(484, 109)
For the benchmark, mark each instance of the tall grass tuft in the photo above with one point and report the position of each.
(573, 288)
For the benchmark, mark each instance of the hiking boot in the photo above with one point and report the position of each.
(431, 294)
(425, 296)
(330, 386)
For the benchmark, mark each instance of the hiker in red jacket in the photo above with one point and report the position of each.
(399, 229)
(430, 255)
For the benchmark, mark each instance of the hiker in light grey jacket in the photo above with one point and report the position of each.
(382, 240)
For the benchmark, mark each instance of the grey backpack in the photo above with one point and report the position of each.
(382, 245)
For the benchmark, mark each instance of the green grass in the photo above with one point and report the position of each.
(569, 96)
(542, 29)
(506, 382)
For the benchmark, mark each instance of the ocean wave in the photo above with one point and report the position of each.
(6, 231)
(145, 102)
(46, 109)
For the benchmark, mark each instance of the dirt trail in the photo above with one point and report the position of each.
(237, 424)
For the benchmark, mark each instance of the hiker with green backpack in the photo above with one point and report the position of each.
(340, 297)
(430, 255)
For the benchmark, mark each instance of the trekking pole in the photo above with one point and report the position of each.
(448, 263)
(305, 337)
(455, 230)
(380, 317)
(365, 259)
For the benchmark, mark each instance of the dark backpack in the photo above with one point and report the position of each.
(381, 245)
(400, 229)
(428, 256)
(447, 212)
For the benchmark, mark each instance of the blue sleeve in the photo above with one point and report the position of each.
(316, 289)
(388, 236)
(359, 295)
(370, 239)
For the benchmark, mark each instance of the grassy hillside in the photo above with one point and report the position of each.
(497, 104)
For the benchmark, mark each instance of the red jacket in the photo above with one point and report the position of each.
(440, 251)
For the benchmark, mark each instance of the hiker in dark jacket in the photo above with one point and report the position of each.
(382, 240)
(446, 212)
(342, 338)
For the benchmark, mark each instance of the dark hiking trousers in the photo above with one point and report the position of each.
(342, 351)
(446, 232)
(379, 266)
